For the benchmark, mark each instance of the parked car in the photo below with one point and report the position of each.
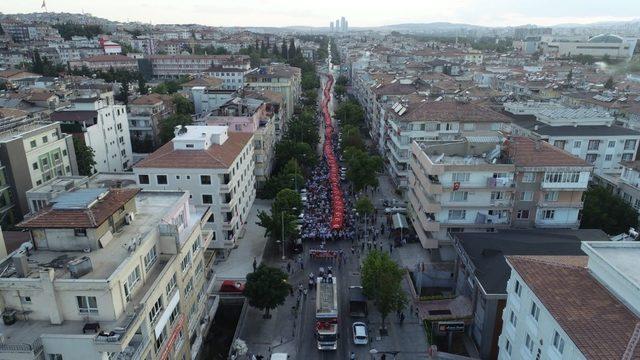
(303, 197)
(360, 336)
(232, 286)
(395, 210)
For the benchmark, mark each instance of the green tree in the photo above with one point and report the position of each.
(606, 211)
(350, 112)
(609, 84)
(124, 92)
(266, 288)
(67, 30)
(382, 283)
(364, 206)
(143, 88)
(167, 87)
(342, 80)
(302, 152)
(84, 157)
(183, 105)
(292, 49)
(351, 137)
(288, 201)
(168, 125)
(340, 90)
(283, 50)
(362, 168)
(570, 76)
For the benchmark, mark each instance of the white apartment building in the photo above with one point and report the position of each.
(216, 166)
(423, 120)
(33, 154)
(232, 77)
(585, 133)
(279, 78)
(459, 186)
(111, 274)
(173, 66)
(573, 307)
(205, 100)
(104, 128)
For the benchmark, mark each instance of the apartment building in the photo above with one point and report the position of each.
(33, 154)
(440, 120)
(232, 77)
(457, 186)
(250, 115)
(216, 166)
(103, 126)
(550, 184)
(599, 46)
(173, 66)
(7, 200)
(481, 272)
(583, 307)
(106, 62)
(145, 115)
(279, 78)
(110, 274)
(586, 133)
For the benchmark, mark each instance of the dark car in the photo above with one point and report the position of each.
(232, 286)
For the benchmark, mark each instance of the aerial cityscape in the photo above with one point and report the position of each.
(279, 180)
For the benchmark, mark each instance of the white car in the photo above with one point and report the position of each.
(395, 210)
(360, 333)
(303, 197)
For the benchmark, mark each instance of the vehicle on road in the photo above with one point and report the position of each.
(360, 336)
(303, 197)
(357, 302)
(232, 286)
(279, 356)
(395, 210)
(327, 313)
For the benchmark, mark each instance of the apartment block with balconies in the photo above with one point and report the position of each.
(216, 166)
(109, 274)
(458, 186)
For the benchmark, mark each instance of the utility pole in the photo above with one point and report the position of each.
(282, 216)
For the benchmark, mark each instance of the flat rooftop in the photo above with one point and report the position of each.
(151, 207)
(621, 255)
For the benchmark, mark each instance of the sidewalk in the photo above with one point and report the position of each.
(250, 245)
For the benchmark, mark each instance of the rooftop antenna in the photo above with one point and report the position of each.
(44, 6)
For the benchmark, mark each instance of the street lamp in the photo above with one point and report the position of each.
(282, 220)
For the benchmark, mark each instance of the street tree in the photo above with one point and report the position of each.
(266, 288)
(289, 201)
(183, 105)
(382, 283)
(168, 125)
(362, 168)
(604, 210)
(84, 157)
(284, 213)
(609, 84)
(302, 152)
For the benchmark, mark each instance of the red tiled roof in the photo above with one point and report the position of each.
(215, 157)
(598, 323)
(114, 58)
(81, 218)
(523, 152)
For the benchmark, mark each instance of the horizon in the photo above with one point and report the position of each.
(288, 13)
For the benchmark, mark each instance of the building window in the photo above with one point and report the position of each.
(459, 196)
(591, 158)
(630, 145)
(522, 214)
(207, 199)
(155, 310)
(608, 157)
(636, 204)
(593, 145)
(526, 196)
(186, 261)
(188, 287)
(577, 144)
(79, 232)
(55, 357)
(611, 144)
(529, 344)
(196, 246)
(150, 258)
(87, 304)
(161, 179)
(535, 311)
(205, 179)
(513, 319)
(559, 144)
(457, 214)
(45, 139)
(171, 285)
(174, 314)
(548, 214)
(33, 144)
(25, 299)
(143, 179)
(460, 177)
(558, 342)
(507, 347)
(64, 152)
(627, 157)
(551, 196)
(562, 177)
(35, 166)
(131, 282)
(517, 288)
(528, 177)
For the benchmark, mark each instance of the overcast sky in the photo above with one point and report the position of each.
(357, 12)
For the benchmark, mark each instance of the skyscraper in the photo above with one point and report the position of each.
(337, 25)
(346, 26)
(343, 24)
(331, 26)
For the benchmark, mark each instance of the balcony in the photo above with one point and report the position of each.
(550, 223)
(577, 186)
(486, 219)
(134, 350)
(32, 350)
(207, 235)
(499, 183)
(560, 204)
